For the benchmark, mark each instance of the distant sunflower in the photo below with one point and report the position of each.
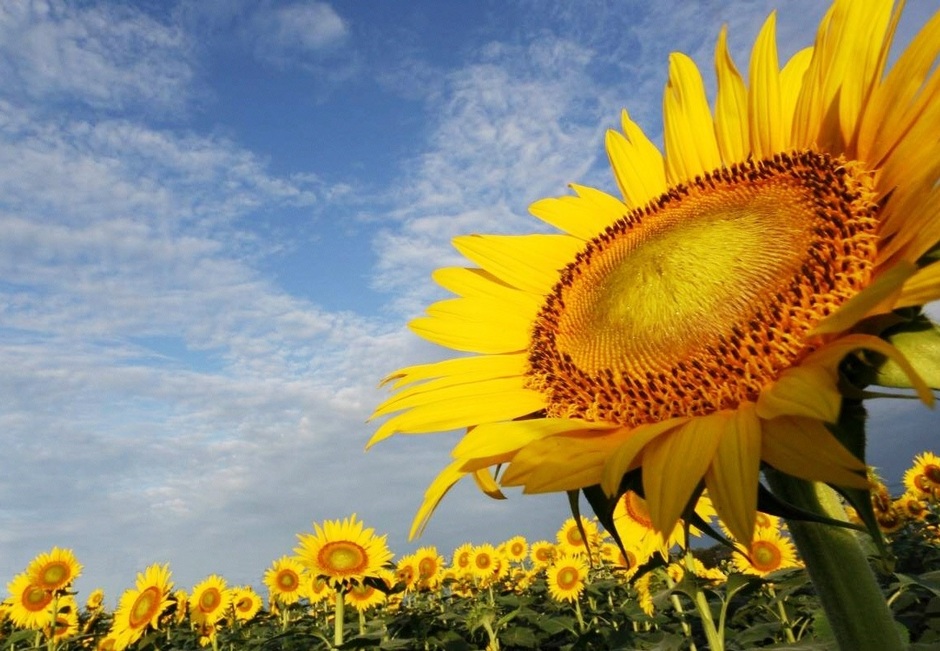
(484, 562)
(343, 551)
(317, 589)
(516, 549)
(284, 580)
(362, 597)
(637, 531)
(912, 506)
(566, 577)
(30, 604)
(54, 570)
(570, 540)
(768, 552)
(694, 328)
(95, 601)
(209, 602)
(543, 553)
(461, 559)
(66, 620)
(406, 571)
(139, 609)
(246, 603)
(923, 478)
(430, 566)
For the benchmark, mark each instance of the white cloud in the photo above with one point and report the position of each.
(106, 56)
(294, 33)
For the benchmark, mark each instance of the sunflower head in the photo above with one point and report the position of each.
(695, 328)
(54, 570)
(343, 551)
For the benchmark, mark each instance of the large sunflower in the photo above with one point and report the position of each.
(343, 551)
(30, 605)
(694, 328)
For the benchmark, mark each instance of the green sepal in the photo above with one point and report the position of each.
(918, 339)
(603, 506)
(767, 502)
(573, 503)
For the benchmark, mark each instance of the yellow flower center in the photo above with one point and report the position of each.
(209, 600)
(343, 557)
(765, 556)
(427, 567)
(517, 549)
(932, 473)
(287, 580)
(145, 606)
(568, 577)
(244, 605)
(54, 575)
(698, 301)
(35, 598)
(483, 561)
(573, 536)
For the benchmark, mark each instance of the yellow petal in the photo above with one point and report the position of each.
(528, 262)
(766, 118)
(459, 407)
(673, 465)
(734, 475)
(460, 370)
(558, 459)
(921, 288)
(637, 163)
(625, 456)
(485, 482)
(804, 448)
(806, 390)
(731, 113)
(903, 95)
(476, 325)
(583, 216)
(791, 82)
(689, 132)
(490, 439)
(433, 496)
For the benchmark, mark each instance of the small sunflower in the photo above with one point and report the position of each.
(343, 551)
(406, 571)
(362, 597)
(139, 609)
(637, 531)
(912, 506)
(543, 553)
(66, 620)
(317, 589)
(461, 559)
(95, 601)
(430, 567)
(923, 478)
(566, 577)
(54, 570)
(30, 604)
(516, 549)
(768, 552)
(693, 328)
(246, 603)
(209, 602)
(284, 580)
(570, 540)
(484, 562)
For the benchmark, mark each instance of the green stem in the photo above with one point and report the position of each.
(339, 615)
(839, 569)
(577, 611)
(782, 610)
(677, 605)
(716, 638)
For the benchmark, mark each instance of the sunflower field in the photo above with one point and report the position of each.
(342, 588)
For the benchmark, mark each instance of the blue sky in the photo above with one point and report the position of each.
(218, 217)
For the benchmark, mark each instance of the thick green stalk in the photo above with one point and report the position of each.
(339, 616)
(837, 564)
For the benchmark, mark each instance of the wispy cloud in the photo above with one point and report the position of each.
(105, 56)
